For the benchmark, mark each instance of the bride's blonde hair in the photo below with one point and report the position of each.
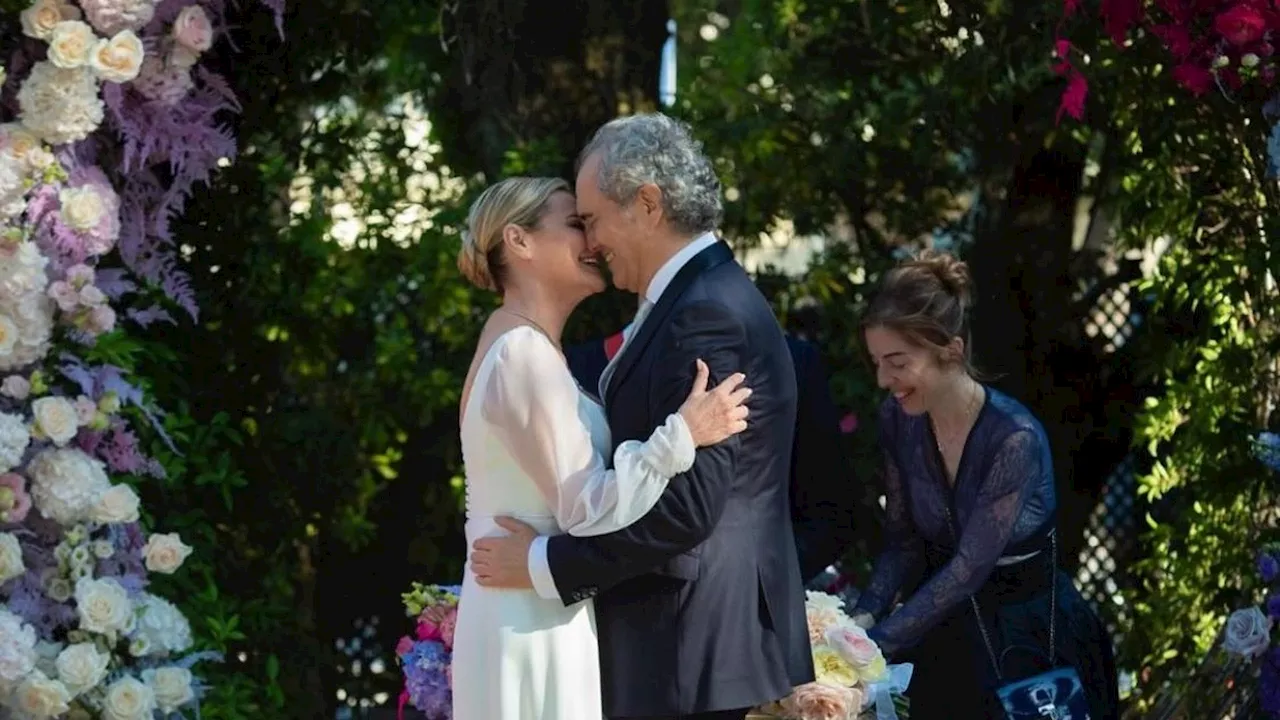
(518, 201)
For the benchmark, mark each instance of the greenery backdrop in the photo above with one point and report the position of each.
(317, 393)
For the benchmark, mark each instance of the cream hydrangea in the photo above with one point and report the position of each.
(13, 185)
(11, 565)
(14, 439)
(27, 326)
(17, 650)
(162, 629)
(60, 106)
(66, 484)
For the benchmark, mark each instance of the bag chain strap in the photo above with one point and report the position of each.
(1053, 601)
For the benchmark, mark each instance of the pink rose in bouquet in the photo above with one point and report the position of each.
(404, 646)
(853, 644)
(447, 625)
(427, 630)
(816, 701)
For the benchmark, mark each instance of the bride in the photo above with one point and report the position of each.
(535, 445)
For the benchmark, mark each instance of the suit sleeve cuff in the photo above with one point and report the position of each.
(540, 570)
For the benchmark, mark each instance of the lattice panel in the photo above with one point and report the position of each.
(1110, 538)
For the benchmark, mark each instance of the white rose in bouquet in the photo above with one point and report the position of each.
(171, 686)
(38, 696)
(128, 699)
(119, 59)
(165, 553)
(1248, 633)
(81, 667)
(39, 20)
(55, 418)
(104, 606)
(70, 43)
(119, 504)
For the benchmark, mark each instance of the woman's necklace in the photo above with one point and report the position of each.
(531, 321)
(965, 426)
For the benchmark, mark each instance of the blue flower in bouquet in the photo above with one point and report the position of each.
(426, 679)
(1269, 682)
(1268, 566)
(1267, 446)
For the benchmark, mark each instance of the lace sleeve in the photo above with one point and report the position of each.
(983, 539)
(902, 554)
(531, 402)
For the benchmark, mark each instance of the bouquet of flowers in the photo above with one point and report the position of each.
(426, 656)
(1249, 631)
(852, 677)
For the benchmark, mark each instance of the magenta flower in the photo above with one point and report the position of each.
(15, 503)
(849, 423)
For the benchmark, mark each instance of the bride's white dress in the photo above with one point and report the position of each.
(534, 446)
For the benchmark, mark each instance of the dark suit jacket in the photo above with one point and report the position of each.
(699, 604)
(822, 499)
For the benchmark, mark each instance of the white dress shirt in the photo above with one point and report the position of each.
(539, 568)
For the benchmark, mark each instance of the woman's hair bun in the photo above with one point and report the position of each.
(951, 272)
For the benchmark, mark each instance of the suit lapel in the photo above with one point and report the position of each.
(717, 254)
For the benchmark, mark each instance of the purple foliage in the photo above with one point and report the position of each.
(114, 283)
(126, 564)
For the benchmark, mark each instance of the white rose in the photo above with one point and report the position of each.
(81, 667)
(70, 44)
(165, 552)
(39, 697)
(117, 505)
(128, 699)
(39, 20)
(171, 686)
(10, 558)
(119, 59)
(1248, 633)
(56, 418)
(103, 605)
(82, 208)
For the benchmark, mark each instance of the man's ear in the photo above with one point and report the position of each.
(649, 203)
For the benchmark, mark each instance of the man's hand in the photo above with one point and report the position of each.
(503, 562)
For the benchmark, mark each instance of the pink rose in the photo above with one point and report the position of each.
(428, 630)
(192, 29)
(404, 646)
(853, 644)
(447, 627)
(102, 319)
(15, 503)
(64, 295)
(16, 387)
(823, 702)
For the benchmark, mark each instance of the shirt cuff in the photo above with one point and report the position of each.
(540, 570)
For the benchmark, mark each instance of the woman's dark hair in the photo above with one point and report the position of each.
(927, 299)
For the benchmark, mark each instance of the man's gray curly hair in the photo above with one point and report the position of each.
(653, 148)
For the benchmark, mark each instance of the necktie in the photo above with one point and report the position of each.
(627, 334)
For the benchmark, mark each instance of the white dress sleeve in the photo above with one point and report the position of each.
(532, 403)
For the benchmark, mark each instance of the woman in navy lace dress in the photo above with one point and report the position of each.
(971, 506)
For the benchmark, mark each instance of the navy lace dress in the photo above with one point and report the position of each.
(1004, 509)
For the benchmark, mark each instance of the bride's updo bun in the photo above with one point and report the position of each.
(926, 298)
(518, 201)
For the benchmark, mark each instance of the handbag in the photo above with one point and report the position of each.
(1057, 694)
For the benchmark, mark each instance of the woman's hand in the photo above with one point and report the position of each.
(714, 415)
(866, 621)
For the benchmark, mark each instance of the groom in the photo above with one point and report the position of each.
(699, 604)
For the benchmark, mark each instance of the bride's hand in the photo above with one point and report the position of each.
(714, 415)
